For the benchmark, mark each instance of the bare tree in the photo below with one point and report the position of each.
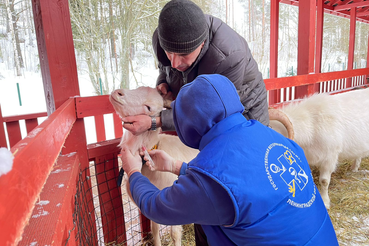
(13, 29)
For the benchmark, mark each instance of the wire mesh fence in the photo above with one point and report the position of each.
(104, 214)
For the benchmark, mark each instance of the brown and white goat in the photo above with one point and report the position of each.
(330, 129)
(148, 101)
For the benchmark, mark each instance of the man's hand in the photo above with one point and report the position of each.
(164, 91)
(131, 163)
(137, 124)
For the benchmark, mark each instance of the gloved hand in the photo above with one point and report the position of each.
(130, 162)
(163, 162)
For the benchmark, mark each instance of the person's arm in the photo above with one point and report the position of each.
(193, 198)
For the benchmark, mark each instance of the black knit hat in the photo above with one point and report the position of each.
(182, 26)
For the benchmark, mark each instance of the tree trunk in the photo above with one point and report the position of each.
(12, 24)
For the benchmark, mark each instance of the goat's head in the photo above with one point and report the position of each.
(140, 101)
(143, 100)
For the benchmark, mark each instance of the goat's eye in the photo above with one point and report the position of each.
(148, 107)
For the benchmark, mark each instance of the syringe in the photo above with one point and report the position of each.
(148, 157)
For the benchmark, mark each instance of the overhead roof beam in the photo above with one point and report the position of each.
(350, 6)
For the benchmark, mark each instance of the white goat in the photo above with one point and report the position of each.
(147, 100)
(330, 129)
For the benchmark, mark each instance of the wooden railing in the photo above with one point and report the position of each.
(290, 88)
(14, 129)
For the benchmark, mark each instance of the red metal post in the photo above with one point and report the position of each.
(274, 95)
(306, 44)
(319, 36)
(350, 62)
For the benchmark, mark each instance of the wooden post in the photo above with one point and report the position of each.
(58, 65)
(2, 131)
(274, 95)
(350, 61)
(319, 36)
(306, 44)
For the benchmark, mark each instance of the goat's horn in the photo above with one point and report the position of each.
(275, 114)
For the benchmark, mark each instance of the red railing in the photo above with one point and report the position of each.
(13, 127)
(39, 153)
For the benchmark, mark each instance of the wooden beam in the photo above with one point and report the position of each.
(34, 157)
(351, 6)
(56, 51)
(58, 65)
(104, 147)
(24, 117)
(95, 105)
(51, 222)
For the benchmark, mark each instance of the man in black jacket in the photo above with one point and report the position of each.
(188, 43)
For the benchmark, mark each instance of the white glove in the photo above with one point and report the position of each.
(130, 162)
(163, 162)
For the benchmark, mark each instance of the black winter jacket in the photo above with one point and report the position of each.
(225, 52)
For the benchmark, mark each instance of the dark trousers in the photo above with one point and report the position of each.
(200, 236)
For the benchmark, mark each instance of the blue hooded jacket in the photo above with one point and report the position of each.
(249, 185)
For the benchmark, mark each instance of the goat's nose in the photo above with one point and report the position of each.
(120, 93)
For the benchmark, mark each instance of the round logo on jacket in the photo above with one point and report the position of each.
(285, 171)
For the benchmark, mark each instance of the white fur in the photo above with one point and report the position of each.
(147, 100)
(330, 129)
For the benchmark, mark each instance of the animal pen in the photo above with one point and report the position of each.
(63, 191)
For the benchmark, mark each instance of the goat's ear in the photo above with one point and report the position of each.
(167, 103)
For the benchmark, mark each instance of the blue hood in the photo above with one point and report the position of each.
(201, 104)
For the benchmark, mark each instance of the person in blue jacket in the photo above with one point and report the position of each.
(248, 185)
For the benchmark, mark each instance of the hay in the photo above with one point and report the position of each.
(349, 212)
